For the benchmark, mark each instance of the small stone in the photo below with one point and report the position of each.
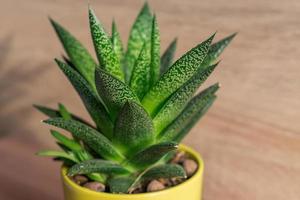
(155, 186)
(167, 182)
(164, 181)
(176, 181)
(80, 180)
(179, 157)
(96, 186)
(190, 166)
(137, 190)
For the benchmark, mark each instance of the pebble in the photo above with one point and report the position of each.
(137, 190)
(165, 182)
(80, 180)
(96, 186)
(179, 157)
(190, 166)
(155, 186)
(176, 181)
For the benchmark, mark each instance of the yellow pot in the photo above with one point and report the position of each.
(190, 189)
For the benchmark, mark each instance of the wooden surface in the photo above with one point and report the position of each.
(250, 139)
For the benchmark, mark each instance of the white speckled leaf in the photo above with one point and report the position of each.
(64, 112)
(104, 49)
(133, 129)
(113, 92)
(140, 33)
(117, 42)
(176, 103)
(185, 130)
(151, 155)
(92, 103)
(164, 171)
(58, 154)
(139, 82)
(195, 109)
(79, 55)
(91, 137)
(69, 143)
(167, 58)
(120, 184)
(96, 166)
(159, 171)
(155, 52)
(50, 112)
(180, 72)
(216, 49)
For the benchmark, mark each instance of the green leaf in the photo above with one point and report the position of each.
(92, 102)
(84, 154)
(97, 166)
(195, 109)
(120, 184)
(159, 171)
(133, 128)
(52, 113)
(97, 177)
(140, 78)
(71, 161)
(63, 147)
(106, 55)
(180, 72)
(64, 112)
(95, 140)
(47, 111)
(113, 92)
(155, 52)
(164, 171)
(176, 103)
(117, 42)
(58, 154)
(69, 62)
(66, 162)
(151, 155)
(167, 57)
(216, 49)
(184, 131)
(69, 143)
(79, 56)
(140, 33)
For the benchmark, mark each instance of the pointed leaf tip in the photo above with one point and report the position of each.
(78, 54)
(167, 58)
(216, 49)
(139, 34)
(104, 48)
(180, 72)
(179, 99)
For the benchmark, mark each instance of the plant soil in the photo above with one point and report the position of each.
(181, 158)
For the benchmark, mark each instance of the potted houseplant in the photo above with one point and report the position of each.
(142, 105)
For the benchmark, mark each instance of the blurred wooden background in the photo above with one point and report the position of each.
(250, 139)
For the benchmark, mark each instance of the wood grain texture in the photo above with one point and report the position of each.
(250, 139)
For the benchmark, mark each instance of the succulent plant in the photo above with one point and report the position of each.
(142, 104)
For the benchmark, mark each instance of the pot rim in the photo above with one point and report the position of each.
(195, 155)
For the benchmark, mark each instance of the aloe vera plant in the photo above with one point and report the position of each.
(142, 104)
